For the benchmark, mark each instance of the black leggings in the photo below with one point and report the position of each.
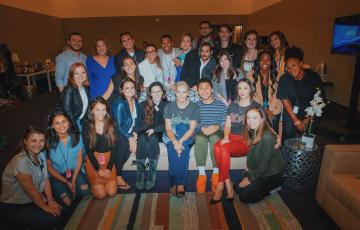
(147, 147)
(122, 154)
(259, 189)
(26, 216)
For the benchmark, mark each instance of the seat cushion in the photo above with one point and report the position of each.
(346, 188)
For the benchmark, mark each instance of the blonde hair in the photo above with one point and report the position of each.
(181, 83)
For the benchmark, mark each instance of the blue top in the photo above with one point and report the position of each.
(99, 76)
(63, 62)
(63, 157)
(212, 114)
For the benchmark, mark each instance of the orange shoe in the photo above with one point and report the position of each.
(201, 184)
(214, 181)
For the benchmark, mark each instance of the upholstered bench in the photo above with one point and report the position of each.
(236, 162)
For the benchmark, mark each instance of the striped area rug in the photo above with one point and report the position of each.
(163, 211)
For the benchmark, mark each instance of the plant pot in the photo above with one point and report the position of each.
(309, 140)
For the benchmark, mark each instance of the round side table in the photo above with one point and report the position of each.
(302, 165)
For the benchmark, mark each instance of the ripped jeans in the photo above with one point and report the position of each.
(63, 195)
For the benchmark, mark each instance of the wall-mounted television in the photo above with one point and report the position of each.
(346, 35)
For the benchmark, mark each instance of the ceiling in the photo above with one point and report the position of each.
(108, 8)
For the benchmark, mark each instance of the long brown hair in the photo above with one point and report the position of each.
(219, 69)
(106, 42)
(139, 80)
(149, 103)
(252, 137)
(73, 67)
(272, 70)
(157, 59)
(109, 130)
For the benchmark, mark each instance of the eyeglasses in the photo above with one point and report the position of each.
(155, 92)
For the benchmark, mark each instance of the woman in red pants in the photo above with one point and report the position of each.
(233, 144)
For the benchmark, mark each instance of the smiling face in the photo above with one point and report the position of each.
(156, 94)
(182, 93)
(129, 66)
(185, 43)
(99, 111)
(35, 143)
(244, 90)
(128, 90)
(205, 91)
(205, 53)
(254, 119)
(251, 41)
(127, 42)
(151, 54)
(224, 34)
(224, 62)
(75, 42)
(60, 124)
(294, 67)
(80, 76)
(101, 47)
(265, 62)
(275, 42)
(205, 30)
(166, 45)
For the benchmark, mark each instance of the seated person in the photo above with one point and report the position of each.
(264, 161)
(296, 89)
(212, 121)
(26, 196)
(196, 67)
(65, 159)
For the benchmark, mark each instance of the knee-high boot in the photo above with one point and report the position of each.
(140, 183)
(150, 183)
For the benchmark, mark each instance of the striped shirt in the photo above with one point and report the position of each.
(212, 114)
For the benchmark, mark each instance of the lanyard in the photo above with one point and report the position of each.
(67, 153)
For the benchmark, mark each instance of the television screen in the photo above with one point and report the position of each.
(346, 35)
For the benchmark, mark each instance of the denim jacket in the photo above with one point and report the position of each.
(122, 116)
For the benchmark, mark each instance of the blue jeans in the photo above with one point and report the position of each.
(61, 191)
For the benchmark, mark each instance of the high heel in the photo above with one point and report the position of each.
(219, 189)
(212, 201)
(229, 191)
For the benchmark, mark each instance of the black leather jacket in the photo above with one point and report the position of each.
(70, 100)
(122, 116)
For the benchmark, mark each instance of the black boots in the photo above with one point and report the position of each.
(140, 183)
(150, 183)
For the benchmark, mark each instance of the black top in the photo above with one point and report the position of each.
(301, 92)
(158, 119)
(100, 146)
(139, 56)
(237, 115)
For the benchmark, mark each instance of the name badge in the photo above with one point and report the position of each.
(296, 109)
(68, 173)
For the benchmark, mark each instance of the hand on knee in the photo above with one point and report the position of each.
(65, 198)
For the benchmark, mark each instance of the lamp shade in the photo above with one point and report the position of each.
(15, 57)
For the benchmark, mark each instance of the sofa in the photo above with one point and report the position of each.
(338, 188)
(235, 162)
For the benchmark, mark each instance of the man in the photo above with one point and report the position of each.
(225, 32)
(167, 53)
(65, 59)
(205, 30)
(128, 50)
(196, 68)
(212, 119)
(296, 89)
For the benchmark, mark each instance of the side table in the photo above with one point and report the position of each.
(302, 165)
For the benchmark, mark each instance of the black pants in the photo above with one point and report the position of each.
(259, 188)
(26, 216)
(122, 154)
(147, 147)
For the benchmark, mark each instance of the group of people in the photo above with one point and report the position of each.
(222, 98)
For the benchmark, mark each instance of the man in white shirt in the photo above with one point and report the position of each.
(167, 53)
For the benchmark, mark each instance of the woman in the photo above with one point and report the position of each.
(149, 128)
(65, 160)
(181, 117)
(264, 79)
(100, 67)
(185, 48)
(264, 162)
(100, 146)
(233, 144)
(250, 50)
(75, 97)
(129, 70)
(151, 68)
(26, 196)
(225, 79)
(125, 112)
(278, 45)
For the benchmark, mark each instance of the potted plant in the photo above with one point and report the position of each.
(315, 109)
